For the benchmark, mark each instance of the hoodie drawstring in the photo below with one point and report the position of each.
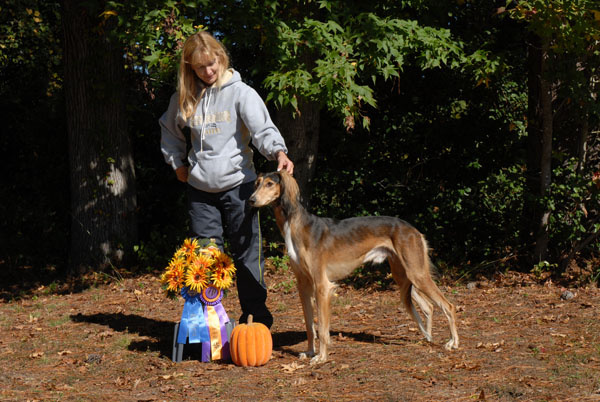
(204, 115)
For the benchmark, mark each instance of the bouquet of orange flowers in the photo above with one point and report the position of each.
(197, 265)
(199, 271)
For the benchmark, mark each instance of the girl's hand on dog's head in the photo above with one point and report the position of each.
(283, 162)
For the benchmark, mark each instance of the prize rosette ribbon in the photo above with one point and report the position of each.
(200, 274)
(203, 321)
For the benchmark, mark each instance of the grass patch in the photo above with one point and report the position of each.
(59, 321)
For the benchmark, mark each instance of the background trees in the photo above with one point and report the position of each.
(477, 121)
(563, 62)
(102, 178)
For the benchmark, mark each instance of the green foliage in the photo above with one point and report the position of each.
(371, 276)
(341, 61)
(280, 263)
(153, 33)
(30, 46)
(441, 86)
(572, 30)
(569, 35)
(574, 200)
(422, 161)
(572, 25)
(35, 198)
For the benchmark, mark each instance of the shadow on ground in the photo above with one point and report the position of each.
(160, 333)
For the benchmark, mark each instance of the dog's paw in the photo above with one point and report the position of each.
(318, 359)
(452, 344)
(306, 355)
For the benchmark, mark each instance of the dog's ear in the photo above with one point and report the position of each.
(288, 190)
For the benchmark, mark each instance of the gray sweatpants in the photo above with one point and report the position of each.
(213, 215)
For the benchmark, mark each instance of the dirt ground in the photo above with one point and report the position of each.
(520, 340)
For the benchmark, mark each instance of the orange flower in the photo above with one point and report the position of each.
(197, 267)
(221, 279)
(176, 263)
(224, 263)
(190, 246)
(211, 251)
(173, 278)
(198, 273)
(223, 271)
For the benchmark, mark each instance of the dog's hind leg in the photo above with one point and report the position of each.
(414, 257)
(430, 289)
(399, 275)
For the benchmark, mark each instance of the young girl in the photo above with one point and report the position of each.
(223, 115)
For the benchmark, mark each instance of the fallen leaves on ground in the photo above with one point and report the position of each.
(520, 340)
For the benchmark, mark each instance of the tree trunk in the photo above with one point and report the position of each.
(103, 196)
(539, 131)
(302, 139)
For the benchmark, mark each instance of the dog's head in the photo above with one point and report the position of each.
(274, 188)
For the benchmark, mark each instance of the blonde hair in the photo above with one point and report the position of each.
(189, 86)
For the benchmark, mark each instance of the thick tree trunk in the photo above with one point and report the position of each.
(302, 139)
(103, 196)
(539, 131)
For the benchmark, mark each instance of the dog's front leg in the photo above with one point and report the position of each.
(323, 298)
(305, 289)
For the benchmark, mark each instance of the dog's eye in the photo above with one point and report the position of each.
(270, 184)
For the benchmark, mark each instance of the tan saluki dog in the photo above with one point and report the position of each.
(323, 250)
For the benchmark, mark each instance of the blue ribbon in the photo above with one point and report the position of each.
(193, 323)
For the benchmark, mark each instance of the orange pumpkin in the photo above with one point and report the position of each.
(251, 344)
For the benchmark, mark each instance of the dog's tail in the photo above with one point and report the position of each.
(406, 291)
(411, 309)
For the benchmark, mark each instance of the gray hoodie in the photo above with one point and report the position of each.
(226, 120)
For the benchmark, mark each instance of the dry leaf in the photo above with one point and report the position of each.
(290, 368)
(496, 346)
(300, 381)
(105, 334)
(466, 366)
(548, 318)
(167, 388)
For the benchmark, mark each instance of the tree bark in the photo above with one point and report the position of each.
(103, 195)
(301, 135)
(539, 131)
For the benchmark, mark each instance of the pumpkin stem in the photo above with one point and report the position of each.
(249, 318)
